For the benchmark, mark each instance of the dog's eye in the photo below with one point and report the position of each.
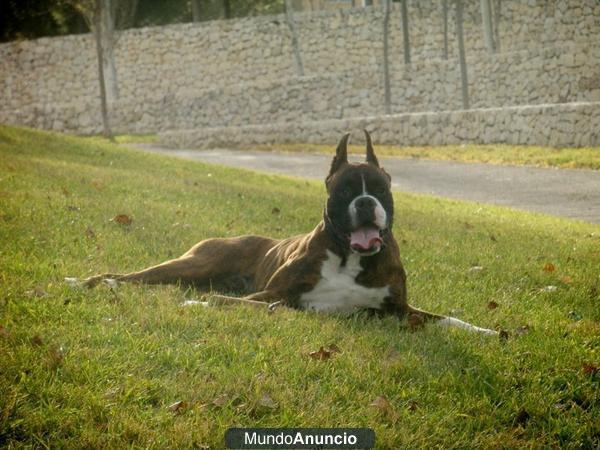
(381, 190)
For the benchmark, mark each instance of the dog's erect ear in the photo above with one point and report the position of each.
(371, 158)
(341, 155)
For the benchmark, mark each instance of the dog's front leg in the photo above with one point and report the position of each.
(418, 317)
(262, 299)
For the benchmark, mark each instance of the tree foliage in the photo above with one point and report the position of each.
(30, 19)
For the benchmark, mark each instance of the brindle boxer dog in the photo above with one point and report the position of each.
(349, 262)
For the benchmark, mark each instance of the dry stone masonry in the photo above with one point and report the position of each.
(239, 75)
(566, 125)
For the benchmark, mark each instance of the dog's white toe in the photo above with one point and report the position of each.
(73, 282)
(195, 302)
(454, 322)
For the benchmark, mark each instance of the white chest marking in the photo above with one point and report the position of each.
(338, 292)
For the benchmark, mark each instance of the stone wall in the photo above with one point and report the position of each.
(540, 76)
(238, 72)
(567, 125)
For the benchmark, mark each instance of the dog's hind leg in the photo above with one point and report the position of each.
(184, 269)
(209, 260)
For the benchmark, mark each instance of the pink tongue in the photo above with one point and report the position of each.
(365, 238)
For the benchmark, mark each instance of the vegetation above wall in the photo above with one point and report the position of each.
(30, 19)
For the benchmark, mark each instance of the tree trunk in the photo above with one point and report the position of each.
(445, 18)
(123, 14)
(99, 51)
(289, 17)
(405, 36)
(486, 20)
(196, 9)
(386, 58)
(461, 54)
(107, 41)
(227, 9)
(497, 7)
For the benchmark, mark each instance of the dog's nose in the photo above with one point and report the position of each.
(364, 203)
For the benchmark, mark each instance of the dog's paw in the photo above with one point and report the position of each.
(111, 283)
(454, 322)
(195, 302)
(74, 283)
(274, 307)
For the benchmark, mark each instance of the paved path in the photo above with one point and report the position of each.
(561, 192)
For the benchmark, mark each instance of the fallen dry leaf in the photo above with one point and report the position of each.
(590, 369)
(55, 358)
(333, 348)
(413, 405)
(383, 405)
(97, 185)
(415, 321)
(177, 406)
(267, 402)
(113, 392)
(4, 332)
(320, 355)
(392, 355)
(523, 329)
(566, 279)
(122, 219)
(221, 400)
(521, 418)
(549, 267)
(37, 291)
(492, 305)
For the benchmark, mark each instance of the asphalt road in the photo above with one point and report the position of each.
(561, 192)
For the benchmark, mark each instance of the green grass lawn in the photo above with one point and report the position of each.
(100, 369)
(573, 158)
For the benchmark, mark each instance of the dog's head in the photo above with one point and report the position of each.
(360, 206)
